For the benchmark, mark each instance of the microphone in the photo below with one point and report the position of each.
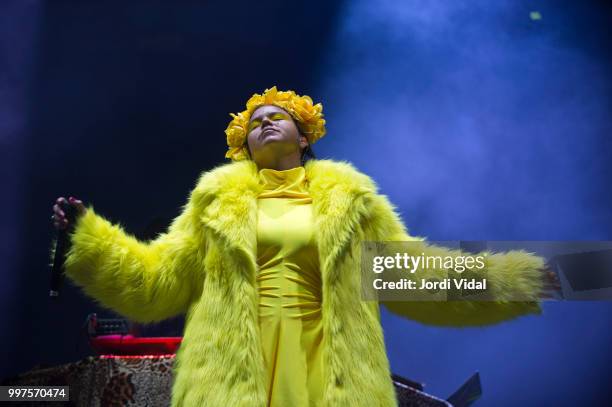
(61, 247)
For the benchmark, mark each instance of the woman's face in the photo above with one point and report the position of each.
(272, 133)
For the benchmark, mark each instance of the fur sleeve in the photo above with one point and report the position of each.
(511, 275)
(146, 282)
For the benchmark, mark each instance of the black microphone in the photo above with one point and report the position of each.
(61, 247)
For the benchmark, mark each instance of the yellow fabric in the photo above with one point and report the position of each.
(289, 283)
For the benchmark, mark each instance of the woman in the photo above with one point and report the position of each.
(264, 262)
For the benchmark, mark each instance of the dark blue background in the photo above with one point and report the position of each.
(477, 121)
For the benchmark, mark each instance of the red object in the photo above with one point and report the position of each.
(130, 345)
(138, 356)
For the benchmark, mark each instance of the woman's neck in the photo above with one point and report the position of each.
(281, 163)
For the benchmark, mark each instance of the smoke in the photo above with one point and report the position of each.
(481, 120)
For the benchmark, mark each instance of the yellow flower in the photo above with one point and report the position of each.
(301, 108)
(236, 130)
(237, 153)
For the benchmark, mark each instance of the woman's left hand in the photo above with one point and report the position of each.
(552, 286)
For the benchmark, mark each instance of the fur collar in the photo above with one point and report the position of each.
(226, 199)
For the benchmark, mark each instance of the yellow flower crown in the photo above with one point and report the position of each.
(309, 118)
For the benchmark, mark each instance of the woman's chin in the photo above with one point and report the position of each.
(272, 138)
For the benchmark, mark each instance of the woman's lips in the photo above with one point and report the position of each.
(268, 130)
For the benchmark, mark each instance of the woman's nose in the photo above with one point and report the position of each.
(265, 122)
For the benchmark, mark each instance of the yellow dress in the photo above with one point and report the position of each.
(289, 284)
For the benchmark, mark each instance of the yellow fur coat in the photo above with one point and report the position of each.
(205, 266)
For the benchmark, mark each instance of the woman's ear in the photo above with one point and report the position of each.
(303, 142)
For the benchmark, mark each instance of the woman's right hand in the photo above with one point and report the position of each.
(60, 221)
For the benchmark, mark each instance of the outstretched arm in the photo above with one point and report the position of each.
(515, 282)
(511, 275)
(144, 281)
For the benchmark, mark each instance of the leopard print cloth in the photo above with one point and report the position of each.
(99, 381)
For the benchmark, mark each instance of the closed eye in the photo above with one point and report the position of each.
(274, 117)
(279, 116)
(254, 124)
